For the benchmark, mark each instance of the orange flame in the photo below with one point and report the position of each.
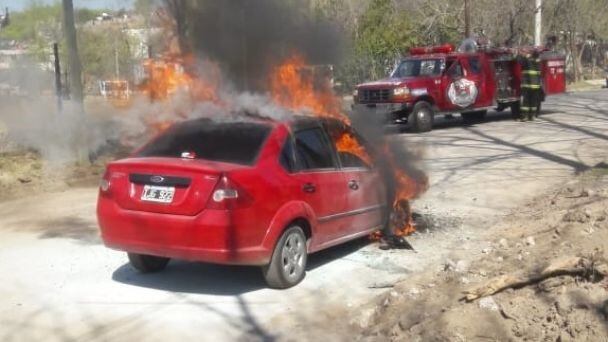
(169, 75)
(290, 87)
(407, 189)
(347, 143)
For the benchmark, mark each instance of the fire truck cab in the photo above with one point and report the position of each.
(437, 80)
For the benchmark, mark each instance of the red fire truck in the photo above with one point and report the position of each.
(438, 80)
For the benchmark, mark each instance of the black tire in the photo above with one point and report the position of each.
(476, 116)
(515, 110)
(288, 263)
(422, 116)
(147, 263)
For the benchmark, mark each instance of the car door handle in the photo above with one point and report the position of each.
(309, 188)
(353, 184)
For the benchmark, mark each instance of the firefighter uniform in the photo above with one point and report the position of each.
(530, 87)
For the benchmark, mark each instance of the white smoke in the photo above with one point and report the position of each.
(72, 134)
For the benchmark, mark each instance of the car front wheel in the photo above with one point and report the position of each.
(288, 263)
(147, 263)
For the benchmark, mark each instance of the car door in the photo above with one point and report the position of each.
(478, 74)
(321, 184)
(461, 89)
(453, 73)
(365, 199)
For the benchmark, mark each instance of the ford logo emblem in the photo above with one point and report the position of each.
(157, 179)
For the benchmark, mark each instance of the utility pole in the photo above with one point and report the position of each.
(73, 60)
(538, 23)
(117, 69)
(69, 30)
(57, 77)
(467, 19)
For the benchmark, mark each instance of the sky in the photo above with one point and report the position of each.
(16, 5)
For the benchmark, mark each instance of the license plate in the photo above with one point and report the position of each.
(160, 194)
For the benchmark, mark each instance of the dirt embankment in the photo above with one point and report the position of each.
(25, 173)
(569, 221)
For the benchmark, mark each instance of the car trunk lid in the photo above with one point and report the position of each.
(165, 185)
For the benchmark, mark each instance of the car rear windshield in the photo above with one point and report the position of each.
(233, 142)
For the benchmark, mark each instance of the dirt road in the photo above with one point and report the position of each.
(60, 283)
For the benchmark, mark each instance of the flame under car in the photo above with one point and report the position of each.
(256, 192)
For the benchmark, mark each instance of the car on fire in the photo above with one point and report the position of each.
(255, 192)
(438, 80)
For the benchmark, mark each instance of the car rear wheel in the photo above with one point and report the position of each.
(421, 118)
(147, 263)
(288, 263)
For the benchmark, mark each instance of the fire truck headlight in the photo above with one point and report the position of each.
(401, 91)
(355, 92)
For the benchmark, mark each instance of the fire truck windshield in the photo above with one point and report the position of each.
(418, 67)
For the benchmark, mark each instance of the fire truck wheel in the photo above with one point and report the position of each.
(475, 116)
(288, 263)
(147, 263)
(421, 118)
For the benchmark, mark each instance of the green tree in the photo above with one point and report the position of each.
(383, 34)
(39, 26)
(35, 21)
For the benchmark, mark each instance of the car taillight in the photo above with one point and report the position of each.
(228, 195)
(104, 184)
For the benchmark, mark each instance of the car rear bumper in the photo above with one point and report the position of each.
(392, 112)
(206, 237)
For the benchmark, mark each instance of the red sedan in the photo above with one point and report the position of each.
(258, 192)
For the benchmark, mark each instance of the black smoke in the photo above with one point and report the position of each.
(248, 37)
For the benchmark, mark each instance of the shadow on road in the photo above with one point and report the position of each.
(191, 277)
(222, 280)
(457, 121)
(575, 165)
(71, 227)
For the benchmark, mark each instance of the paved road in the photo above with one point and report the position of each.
(60, 283)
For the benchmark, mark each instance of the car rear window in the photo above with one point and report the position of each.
(233, 142)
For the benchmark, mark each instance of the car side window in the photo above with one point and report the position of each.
(455, 70)
(351, 148)
(313, 150)
(475, 65)
(287, 157)
(349, 159)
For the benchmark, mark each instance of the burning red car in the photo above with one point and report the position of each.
(258, 192)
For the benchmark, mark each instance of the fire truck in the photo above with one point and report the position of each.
(440, 80)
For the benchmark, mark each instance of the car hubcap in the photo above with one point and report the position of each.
(293, 256)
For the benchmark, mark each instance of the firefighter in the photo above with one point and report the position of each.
(530, 86)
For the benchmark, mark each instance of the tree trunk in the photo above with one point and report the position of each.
(574, 57)
(178, 10)
(579, 60)
(75, 68)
